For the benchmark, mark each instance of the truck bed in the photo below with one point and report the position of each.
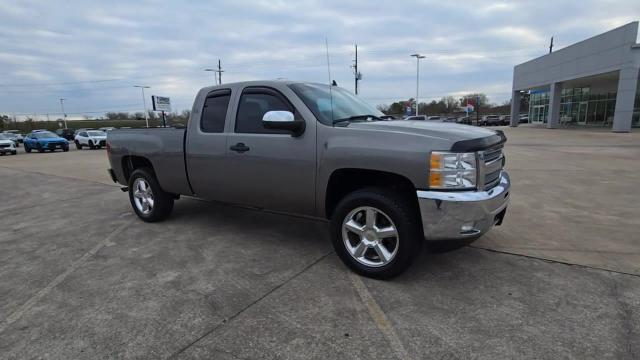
(163, 147)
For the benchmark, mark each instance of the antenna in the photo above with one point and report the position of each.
(326, 44)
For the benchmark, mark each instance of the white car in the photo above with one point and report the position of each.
(91, 138)
(7, 145)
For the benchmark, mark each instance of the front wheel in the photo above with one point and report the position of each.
(91, 146)
(27, 148)
(149, 201)
(40, 148)
(376, 232)
(78, 145)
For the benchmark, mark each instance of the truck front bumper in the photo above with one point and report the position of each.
(449, 215)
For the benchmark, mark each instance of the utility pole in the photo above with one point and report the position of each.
(64, 114)
(219, 72)
(356, 73)
(144, 102)
(218, 80)
(418, 57)
(551, 46)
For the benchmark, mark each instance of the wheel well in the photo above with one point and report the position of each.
(132, 163)
(345, 181)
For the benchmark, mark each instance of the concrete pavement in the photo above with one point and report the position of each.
(81, 277)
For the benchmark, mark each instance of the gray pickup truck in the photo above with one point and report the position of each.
(310, 149)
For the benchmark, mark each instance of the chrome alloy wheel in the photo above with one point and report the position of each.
(370, 236)
(142, 196)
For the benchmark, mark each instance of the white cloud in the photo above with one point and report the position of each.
(470, 46)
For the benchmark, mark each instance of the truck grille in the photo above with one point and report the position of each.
(490, 169)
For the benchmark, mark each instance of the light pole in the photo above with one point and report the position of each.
(418, 57)
(64, 115)
(215, 80)
(144, 102)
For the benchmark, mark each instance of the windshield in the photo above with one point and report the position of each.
(345, 104)
(4, 137)
(97, 133)
(44, 135)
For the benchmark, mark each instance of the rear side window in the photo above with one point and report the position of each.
(215, 112)
(254, 103)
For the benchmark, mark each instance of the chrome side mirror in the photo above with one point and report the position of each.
(283, 120)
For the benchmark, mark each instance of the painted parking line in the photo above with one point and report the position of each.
(379, 317)
(16, 315)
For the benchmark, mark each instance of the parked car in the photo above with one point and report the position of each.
(17, 138)
(92, 138)
(44, 140)
(66, 133)
(505, 119)
(450, 119)
(7, 145)
(302, 148)
(105, 129)
(524, 118)
(490, 120)
(17, 135)
(464, 120)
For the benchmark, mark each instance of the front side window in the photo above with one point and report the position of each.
(253, 105)
(214, 112)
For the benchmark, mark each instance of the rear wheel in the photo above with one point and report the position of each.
(27, 148)
(149, 201)
(376, 232)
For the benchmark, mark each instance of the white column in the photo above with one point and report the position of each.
(625, 99)
(515, 108)
(555, 94)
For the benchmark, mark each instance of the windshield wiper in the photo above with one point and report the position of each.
(357, 117)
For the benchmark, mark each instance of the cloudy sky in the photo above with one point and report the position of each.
(92, 53)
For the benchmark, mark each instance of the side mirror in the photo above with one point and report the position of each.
(283, 120)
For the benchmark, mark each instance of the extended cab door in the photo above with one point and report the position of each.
(268, 168)
(206, 143)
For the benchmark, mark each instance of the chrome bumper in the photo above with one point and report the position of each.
(463, 214)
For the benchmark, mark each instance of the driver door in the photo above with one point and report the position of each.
(268, 168)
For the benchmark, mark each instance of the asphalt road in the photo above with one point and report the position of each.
(81, 277)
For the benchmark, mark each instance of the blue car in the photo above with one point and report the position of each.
(44, 140)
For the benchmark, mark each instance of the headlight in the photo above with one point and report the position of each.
(452, 170)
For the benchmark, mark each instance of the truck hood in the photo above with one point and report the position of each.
(463, 137)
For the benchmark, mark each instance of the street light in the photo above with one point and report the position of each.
(418, 57)
(215, 80)
(144, 102)
(63, 113)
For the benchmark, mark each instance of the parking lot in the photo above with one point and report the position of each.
(82, 277)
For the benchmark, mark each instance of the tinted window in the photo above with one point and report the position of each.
(215, 112)
(253, 105)
(83, 134)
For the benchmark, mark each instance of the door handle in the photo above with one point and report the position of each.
(239, 147)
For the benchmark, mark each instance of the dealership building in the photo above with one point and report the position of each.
(591, 83)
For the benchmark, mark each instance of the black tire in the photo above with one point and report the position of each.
(27, 148)
(65, 149)
(91, 146)
(78, 145)
(404, 215)
(14, 152)
(39, 148)
(163, 201)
